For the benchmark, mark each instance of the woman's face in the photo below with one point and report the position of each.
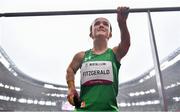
(101, 28)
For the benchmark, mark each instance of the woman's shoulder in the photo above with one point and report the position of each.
(80, 54)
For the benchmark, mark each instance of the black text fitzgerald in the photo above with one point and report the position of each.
(96, 72)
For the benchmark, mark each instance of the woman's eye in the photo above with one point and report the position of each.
(106, 24)
(103, 22)
(97, 23)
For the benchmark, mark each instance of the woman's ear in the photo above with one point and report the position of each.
(90, 34)
(110, 35)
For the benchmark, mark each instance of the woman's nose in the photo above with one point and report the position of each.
(101, 25)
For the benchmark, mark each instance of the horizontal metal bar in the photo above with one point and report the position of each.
(81, 12)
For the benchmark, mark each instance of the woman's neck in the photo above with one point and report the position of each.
(100, 45)
(99, 49)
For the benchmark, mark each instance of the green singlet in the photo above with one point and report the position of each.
(99, 81)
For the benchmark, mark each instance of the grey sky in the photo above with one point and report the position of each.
(42, 47)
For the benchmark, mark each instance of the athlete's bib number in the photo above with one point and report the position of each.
(96, 72)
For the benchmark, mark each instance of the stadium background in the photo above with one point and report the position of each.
(19, 92)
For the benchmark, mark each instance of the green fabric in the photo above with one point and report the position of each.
(101, 97)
